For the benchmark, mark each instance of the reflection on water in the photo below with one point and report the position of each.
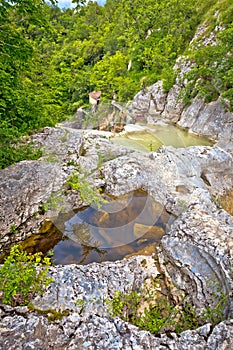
(122, 226)
(154, 136)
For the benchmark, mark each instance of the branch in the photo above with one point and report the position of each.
(3, 42)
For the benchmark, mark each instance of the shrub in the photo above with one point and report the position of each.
(22, 276)
(157, 316)
(88, 194)
(151, 310)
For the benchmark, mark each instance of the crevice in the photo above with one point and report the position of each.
(165, 345)
(205, 179)
(10, 311)
(206, 337)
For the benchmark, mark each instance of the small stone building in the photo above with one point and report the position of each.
(94, 97)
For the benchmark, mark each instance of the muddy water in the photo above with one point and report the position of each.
(123, 226)
(150, 138)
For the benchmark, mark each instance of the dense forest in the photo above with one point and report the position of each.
(50, 59)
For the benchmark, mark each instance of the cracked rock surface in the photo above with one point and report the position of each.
(21, 329)
(196, 251)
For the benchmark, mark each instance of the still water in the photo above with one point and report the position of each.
(150, 138)
(121, 227)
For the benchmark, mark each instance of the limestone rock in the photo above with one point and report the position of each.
(94, 284)
(61, 144)
(208, 119)
(213, 120)
(24, 187)
(149, 103)
(174, 105)
(140, 105)
(157, 102)
(81, 292)
(164, 172)
(199, 253)
(198, 248)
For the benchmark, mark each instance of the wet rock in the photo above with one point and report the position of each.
(123, 250)
(148, 231)
(148, 250)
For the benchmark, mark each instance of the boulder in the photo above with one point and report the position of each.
(197, 255)
(24, 188)
(172, 175)
(61, 144)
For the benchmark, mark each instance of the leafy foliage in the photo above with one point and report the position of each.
(22, 276)
(151, 310)
(158, 314)
(12, 153)
(212, 74)
(88, 194)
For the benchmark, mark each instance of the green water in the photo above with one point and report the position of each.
(154, 136)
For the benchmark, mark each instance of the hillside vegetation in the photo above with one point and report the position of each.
(51, 59)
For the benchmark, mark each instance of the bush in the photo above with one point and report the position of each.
(90, 195)
(155, 317)
(155, 312)
(22, 276)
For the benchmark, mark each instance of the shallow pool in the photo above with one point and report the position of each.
(150, 138)
(121, 227)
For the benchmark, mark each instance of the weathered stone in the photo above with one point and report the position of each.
(213, 119)
(61, 144)
(174, 105)
(33, 331)
(140, 105)
(208, 119)
(221, 337)
(162, 172)
(24, 187)
(198, 255)
(94, 284)
(158, 97)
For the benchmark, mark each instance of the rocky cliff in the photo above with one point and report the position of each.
(213, 119)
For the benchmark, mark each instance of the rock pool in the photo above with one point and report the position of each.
(150, 137)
